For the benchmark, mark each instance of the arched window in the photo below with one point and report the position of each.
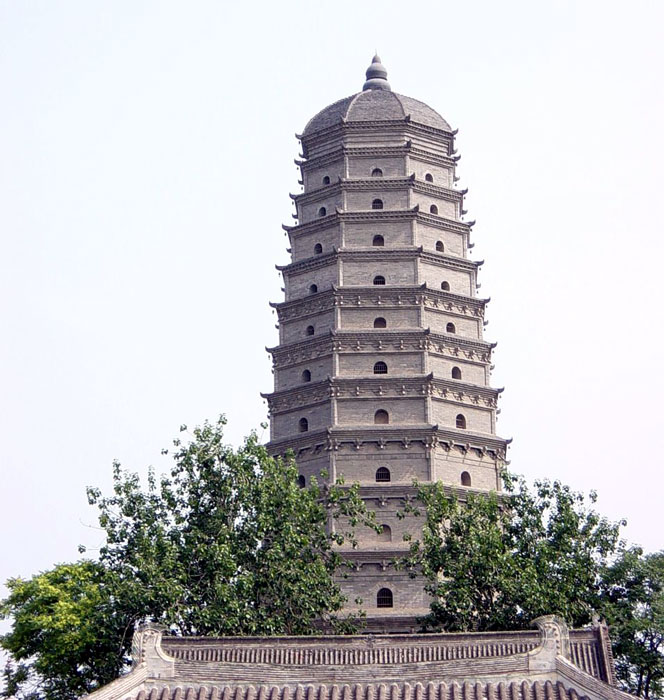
(304, 425)
(386, 534)
(384, 598)
(306, 376)
(318, 249)
(380, 368)
(440, 247)
(301, 481)
(381, 417)
(313, 288)
(445, 286)
(428, 177)
(450, 328)
(456, 373)
(310, 330)
(383, 474)
(465, 479)
(379, 279)
(378, 241)
(326, 180)
(433, 209)
(461, 421)
(380, 322)
(322, 211)
(377, 204)
(376, 172)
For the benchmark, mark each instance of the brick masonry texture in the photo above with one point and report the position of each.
(379, 205)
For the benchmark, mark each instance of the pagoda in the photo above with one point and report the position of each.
(382, 373)
(382, 376)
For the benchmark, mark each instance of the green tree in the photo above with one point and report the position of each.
(633, 603)
(67, 632)
(498, 561)
(226, 544)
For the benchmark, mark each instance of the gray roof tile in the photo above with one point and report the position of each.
(375, 105)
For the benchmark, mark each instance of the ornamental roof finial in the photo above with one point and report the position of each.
(376, 76)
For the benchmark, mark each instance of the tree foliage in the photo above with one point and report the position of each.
(633, 603)
(226, 544)
(498, 561)
(67, 632)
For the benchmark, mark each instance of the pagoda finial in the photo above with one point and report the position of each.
(376, 76)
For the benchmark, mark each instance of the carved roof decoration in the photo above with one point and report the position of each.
(419, 340)
(381, 297)
(353, 438)
(382, 386)
(552, 663)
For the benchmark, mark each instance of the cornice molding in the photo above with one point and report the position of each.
(380, 255)
(378, 184)
(399, 491)
(355, 439)
(371, 553)
(310, 343)
(379, 216)
(314, 263)
(432, 158)
(337, 132)
(382, 387)
(406, 253)
(403, 150)
(420, 340)
(380, 297)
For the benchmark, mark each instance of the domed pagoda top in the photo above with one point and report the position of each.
(376, 102)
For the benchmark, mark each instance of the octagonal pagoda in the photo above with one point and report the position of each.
(382, 372)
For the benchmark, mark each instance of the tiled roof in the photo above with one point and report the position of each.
(516, 690)
(552, 663)
(375, 105)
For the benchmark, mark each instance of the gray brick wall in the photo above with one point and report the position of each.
(355, 446)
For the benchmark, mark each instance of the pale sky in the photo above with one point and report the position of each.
(146, 156)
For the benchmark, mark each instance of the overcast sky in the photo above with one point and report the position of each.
(146, 156)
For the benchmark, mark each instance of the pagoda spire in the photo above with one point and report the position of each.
(376, 76)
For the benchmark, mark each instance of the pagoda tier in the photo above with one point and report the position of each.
(382, 374)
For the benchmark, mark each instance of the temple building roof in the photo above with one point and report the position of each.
(376, 102)
(550, 663)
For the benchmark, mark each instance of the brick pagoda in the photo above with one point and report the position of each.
(382, 374)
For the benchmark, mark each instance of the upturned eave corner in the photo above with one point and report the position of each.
(148, 661)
